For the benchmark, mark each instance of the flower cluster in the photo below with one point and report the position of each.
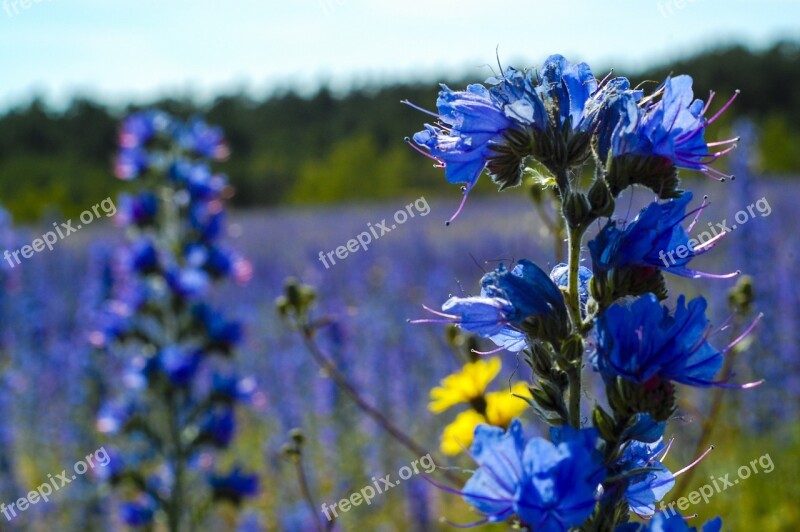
(560, 117)
(178, 401)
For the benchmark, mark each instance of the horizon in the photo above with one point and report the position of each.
(59, 51)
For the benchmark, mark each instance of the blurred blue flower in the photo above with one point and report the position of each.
(218, 427)
(178, 363)
(131, 163)
(188, 283)
(202, 139)
(138, 512)
(233, 486)
(138, 209)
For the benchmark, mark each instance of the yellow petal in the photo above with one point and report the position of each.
(502, 407)
(465, 385)
(458, 435)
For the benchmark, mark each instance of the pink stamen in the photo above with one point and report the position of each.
(723, 142)
(699, 211)
(708, 244)
(461, 206)
(744, 334)
(724, 107)
(418, 108)
(666, 450)
(697, 461)
(708, 103)
(427, 154)
(483, 353)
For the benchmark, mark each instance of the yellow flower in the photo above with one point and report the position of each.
(457, 436)
(503, 406)
(465, 385)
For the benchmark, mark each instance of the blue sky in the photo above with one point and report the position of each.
(124, 51)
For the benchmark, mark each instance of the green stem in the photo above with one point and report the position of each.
(575, 237)
(344, 384)
(175, 510)
(574, 376)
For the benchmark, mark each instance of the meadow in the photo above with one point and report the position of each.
(54, 380)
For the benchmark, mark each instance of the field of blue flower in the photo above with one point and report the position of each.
(50, 368)
(423, 363)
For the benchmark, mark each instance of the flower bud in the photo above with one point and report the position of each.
(577, 209)
(600, 198)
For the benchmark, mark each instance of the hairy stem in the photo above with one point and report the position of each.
(574, 307)
(306, 491)
(340, 380)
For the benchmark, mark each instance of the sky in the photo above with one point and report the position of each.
(134, 51)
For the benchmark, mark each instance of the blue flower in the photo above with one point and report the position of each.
(130, 163)
(494, 487)
(670, 522)
(203, 139)
(218, 427)
(144, 256)
(230, 389)
(672, 127)
(644, 429)
(654, 239)
(529, 289)
(140, 209)
(208, 219)
(565, 88)
(138, 129)
(469, 123)
(233, 486)
(188, 283)
(551, 486)
(222, 334)
(512, 302)
(645, 489)
(178, 364)
(642, 342)
(138, 512)
(516, 91)
(201, 183)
